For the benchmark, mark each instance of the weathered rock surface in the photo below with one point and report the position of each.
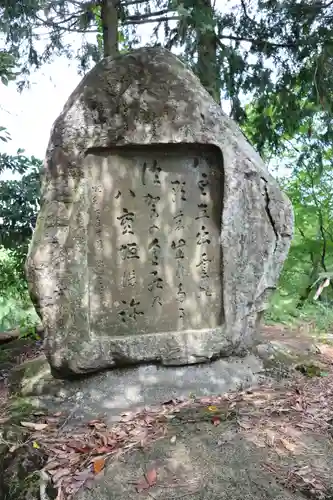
(161, 233)
(112, 392)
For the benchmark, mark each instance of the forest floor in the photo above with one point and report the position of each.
(269, 441)
(13, 354)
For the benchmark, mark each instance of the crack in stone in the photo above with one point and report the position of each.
(269, 215)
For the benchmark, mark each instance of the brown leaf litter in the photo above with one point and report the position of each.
(147, 481)
(273, 415)
(75, 458)
(270, 415)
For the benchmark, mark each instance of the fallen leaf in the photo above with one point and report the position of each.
(60, 494)
(216, 420)
(142, 485)
(78, 446)
(98, 424)
(139, 433)
(151, 476)
(212, 408)
(149, 420)
(112, 441)
(83, 475)
(171, 402)
(298, 407)
(168, 402)
(121, 435)
(244, 425)
(98, 464)
(205, 400)
(73, 486)
(34, 426)
(61, 455)
(102, 437)
(102, 450)
(53, 464)
(93, 422)
(52, 420)
(74, 459)
(14, 448)
(287, 444)
(126, 417)
(59, 474)
(35, 445)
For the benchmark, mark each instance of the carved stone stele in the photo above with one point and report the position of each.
(161, 233)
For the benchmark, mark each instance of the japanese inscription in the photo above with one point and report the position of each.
(154, 247)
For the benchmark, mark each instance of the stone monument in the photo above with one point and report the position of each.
(161, 233)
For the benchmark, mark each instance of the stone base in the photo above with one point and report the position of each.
(167, 348)
(112, 392)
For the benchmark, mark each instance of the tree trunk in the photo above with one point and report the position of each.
(207, 68)
(109, 17)
(312, 278)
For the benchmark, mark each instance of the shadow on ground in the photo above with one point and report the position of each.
(196, 460)
(269, 442)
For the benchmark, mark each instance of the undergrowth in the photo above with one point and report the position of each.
(16, 309)
(283, 310)
(286, 305)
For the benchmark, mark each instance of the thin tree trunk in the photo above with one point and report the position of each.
(306, 293)
(109, 17)
(315, 259)
(207, 68)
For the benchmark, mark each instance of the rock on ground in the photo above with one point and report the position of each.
(271, 442)
(109, 393)
(140, 99)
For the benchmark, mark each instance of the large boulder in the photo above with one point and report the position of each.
(161, 234)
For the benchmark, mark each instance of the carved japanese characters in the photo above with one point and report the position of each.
(158, 238)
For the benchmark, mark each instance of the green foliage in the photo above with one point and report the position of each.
(7, 67)
(18, 208)
(15, 306)
(272, 61)
(311, 370)
(7, 74)
(277, 55)
(23, 24)
(18, 212)
(308, 159)
(19, 202)
(283, 308)
(4, 134)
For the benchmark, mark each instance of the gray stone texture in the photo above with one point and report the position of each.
(161, 234)
(111, 392)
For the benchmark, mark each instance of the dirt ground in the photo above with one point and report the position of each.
(13, 354)
(273, 441)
